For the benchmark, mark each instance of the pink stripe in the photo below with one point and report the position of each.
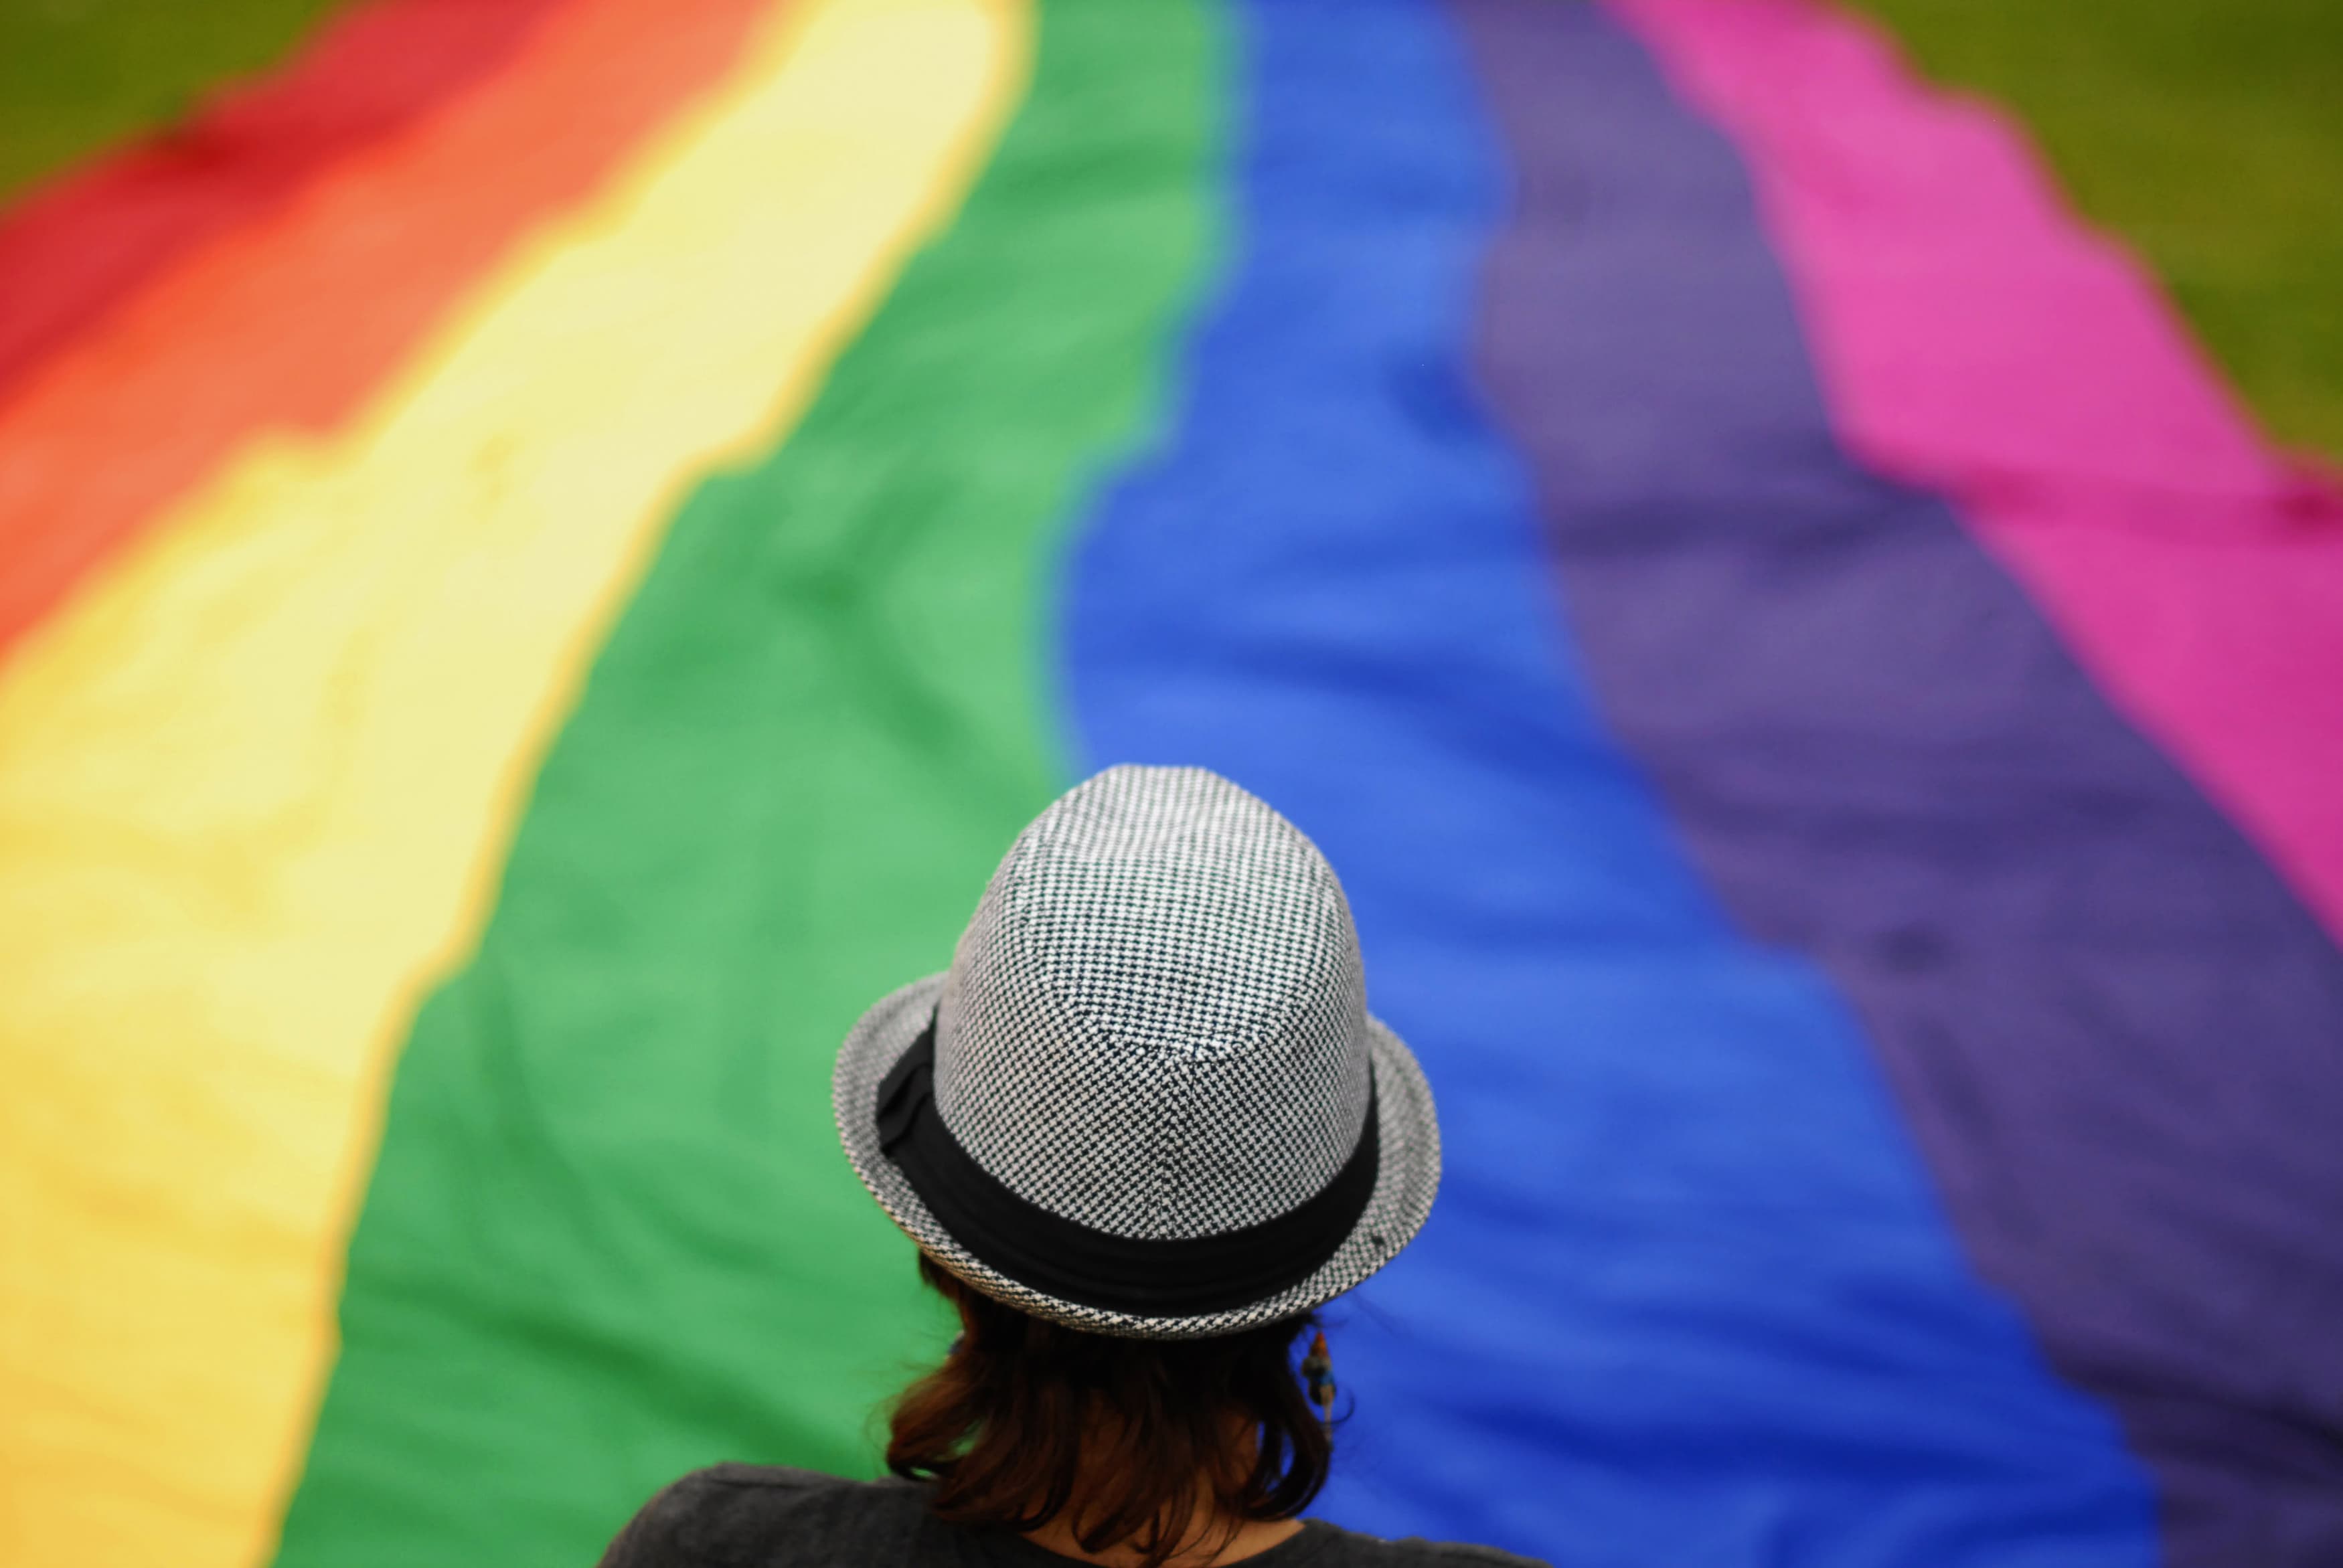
(1974, 338)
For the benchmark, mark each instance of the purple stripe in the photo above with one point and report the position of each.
(1686, 1295)
(2118, 1037)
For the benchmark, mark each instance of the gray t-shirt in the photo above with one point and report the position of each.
(754, 1516)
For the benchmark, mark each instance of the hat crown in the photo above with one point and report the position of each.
(1155, 1024)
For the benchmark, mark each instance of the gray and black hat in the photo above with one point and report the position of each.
(1147, 1099)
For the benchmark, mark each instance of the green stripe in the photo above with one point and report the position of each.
(610, 1236)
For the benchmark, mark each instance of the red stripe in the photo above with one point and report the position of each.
(290, 320)
(75, 250)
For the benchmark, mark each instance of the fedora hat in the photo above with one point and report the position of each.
(1147, 1099)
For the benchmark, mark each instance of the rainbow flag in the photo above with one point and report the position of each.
(546, 552)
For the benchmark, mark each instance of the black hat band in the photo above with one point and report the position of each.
(1173, 1277)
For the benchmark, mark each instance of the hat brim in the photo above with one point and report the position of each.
(1408, 1177)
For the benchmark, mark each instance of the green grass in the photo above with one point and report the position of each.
(78, 76)
(2206, 133)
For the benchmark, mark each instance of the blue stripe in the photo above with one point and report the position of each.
(1688, 1296)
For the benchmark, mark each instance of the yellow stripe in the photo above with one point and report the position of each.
(257, 784)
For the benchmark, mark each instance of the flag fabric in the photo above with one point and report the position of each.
(546, 551)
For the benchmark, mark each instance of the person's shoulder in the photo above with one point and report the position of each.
(737, 1513)
(1349, 1546)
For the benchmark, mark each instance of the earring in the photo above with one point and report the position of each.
(1318, 1380)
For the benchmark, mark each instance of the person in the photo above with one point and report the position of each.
(1141, 1130)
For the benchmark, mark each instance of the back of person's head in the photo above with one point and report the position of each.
(1136, 1441)
(1141, 1130)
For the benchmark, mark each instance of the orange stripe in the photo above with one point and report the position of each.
(290, 322)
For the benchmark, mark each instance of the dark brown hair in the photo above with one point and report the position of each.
(1027, 1419)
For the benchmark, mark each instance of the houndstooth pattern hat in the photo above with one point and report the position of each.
(1147, 1099)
